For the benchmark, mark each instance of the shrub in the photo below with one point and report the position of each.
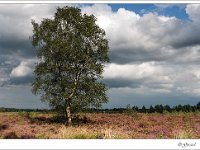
(24, 114)
(33, 115)
(3, 126)
(11, 135)
(131, 112)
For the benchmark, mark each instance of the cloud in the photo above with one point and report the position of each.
(193, 11)
(23, 69)
(17, 54)
(19, 96)
(152, 56)
(16, 28)
(147, 51)
(150, 37)
(135, 71)
(154, 77)
(23, 73)
(149, 77)
(133, 37)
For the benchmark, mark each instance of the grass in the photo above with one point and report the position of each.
(75, 133)
(82, 132)
(184, 134)
(42, 136)
(187, 132)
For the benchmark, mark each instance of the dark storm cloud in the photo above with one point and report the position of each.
(27, 80)
(17, 47)
(120, 98)
(15, 40)
(190, 36)
(121, 82)
(19, 97)
(124, 56)
(7, 63)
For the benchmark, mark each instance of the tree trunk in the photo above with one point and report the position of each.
(68, 104)
(68, 116)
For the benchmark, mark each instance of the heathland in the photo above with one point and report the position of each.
(123, 124)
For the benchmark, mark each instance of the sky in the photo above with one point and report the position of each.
(154, 53)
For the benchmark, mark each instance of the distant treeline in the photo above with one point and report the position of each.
(152, 109)
(129, 108)
(2, 109)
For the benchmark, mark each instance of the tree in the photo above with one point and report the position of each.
(159, 108)
(72, 51)
(167, 108)
(135, 108)
(151, 109)
(198, 106)
(143, 110)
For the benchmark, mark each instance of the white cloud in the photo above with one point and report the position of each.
(132, 71)
(193, 11)
(145, 77)
(139, 38)
(25, 68)
(16, 18)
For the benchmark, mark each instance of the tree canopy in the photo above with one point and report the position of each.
(72, 50)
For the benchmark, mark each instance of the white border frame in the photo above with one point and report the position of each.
(125, 144)
(99, 2)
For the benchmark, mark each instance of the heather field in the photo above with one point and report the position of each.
(33, 125)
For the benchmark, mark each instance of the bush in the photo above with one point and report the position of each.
(3, 126)
(11, 135)
(24, 114)
(33, 115)
(131, 112)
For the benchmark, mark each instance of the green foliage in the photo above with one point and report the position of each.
(167, 109)
(28, 115)
(131, 111)
(24, 114)
(151, 109)
(72, 51)
(143, 110)
(159, 108)
(2, 109)
(198, 106)
(33, 115)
